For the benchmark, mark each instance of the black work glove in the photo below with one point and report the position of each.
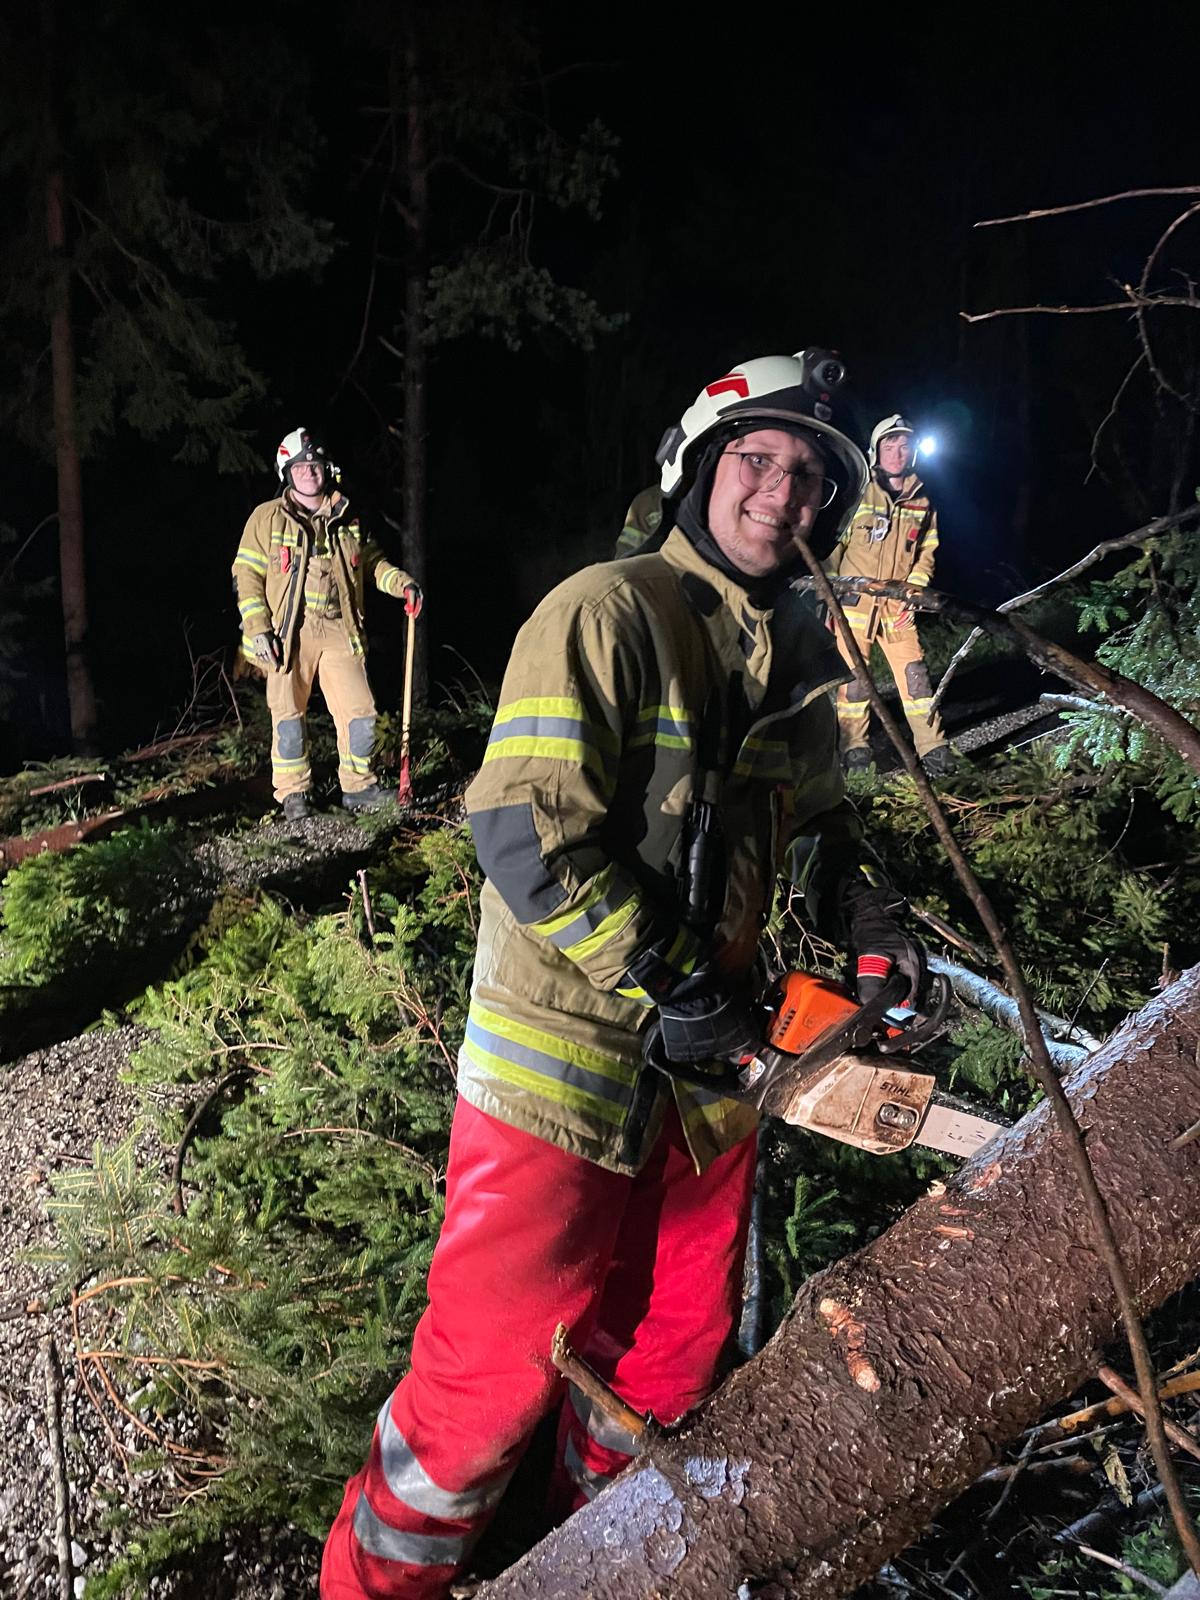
(879, 946)
(704, 1019)
(414, 599)
(268, 648)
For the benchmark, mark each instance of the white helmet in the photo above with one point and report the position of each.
(893, 424)
(295, 447)
(771, 389)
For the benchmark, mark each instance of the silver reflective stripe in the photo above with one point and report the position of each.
(585, 1479)
(376, 1538)
(588, 921)
(413, 1487)
(557, 1068)
(603, 1429)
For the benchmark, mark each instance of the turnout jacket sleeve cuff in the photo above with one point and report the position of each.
(598, 922)
(389, 578)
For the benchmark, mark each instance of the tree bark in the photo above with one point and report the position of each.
(900, 1372)
(81, 698)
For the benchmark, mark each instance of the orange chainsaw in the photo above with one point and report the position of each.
(828, 1064)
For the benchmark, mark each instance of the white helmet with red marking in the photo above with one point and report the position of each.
(295, 447)
(795, 390)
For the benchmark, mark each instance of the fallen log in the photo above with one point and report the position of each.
(900, 1373)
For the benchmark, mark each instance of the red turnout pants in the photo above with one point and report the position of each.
(645, 1272)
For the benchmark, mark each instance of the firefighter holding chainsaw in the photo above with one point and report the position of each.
(893, 535)
(665, 733)
(300, 571)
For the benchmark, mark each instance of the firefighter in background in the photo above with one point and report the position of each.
(656, 710)
(893, 535)
(643, 524)
(300, 571)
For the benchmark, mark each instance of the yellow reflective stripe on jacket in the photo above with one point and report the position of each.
(555, 727)
(251, 559)
(672, 727)
(567, 1073)
(610, 903)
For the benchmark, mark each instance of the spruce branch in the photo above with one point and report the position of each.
(1090, 676)
(1139, 536)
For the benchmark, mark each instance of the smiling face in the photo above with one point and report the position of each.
(895, 454)
(756, 528)
(308, 482)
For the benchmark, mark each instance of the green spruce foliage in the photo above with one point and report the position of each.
(1148, 614)
(271, 1278)
(264, 1277)
(65, 915)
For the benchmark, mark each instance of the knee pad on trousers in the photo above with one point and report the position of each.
(856, 693)
(916, 677)
(290, 739)
(362, 736)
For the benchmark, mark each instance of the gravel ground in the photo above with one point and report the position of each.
(57, 1102)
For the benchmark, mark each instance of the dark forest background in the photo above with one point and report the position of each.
(621, 205)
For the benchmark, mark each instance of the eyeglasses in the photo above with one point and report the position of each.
(763, 472)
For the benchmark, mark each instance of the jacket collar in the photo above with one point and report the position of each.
(334, 508)
(909, 489)
(679, 551)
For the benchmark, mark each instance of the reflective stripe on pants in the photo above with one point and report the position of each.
(902, 651)
(645, 1272)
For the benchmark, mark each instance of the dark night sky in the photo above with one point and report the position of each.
(788, 177)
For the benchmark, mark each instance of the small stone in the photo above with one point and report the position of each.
(78, 1554)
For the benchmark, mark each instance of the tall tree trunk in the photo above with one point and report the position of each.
(81, 698)
(900, 1372)
(415, 348)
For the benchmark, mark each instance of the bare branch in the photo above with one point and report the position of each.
(1134, 301)
(1049, 311)
(1143, 331)
(1086, 205)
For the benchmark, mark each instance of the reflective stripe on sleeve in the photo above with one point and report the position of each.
(251, 559)
(407, 1479)
(669, 727)
(378, 1538)
(610, 904)
(555, 727)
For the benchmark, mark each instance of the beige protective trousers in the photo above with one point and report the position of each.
(901, 647)
(321, 655)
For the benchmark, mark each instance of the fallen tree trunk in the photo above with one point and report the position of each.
(900, 1372)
